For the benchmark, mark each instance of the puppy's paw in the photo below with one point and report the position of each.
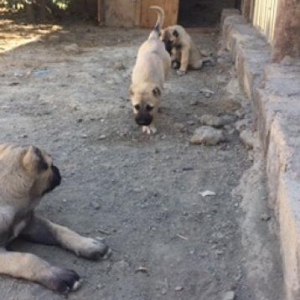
(93, 249)
(61, 280)
(149, 129)
(180, 72)
(146, 129)
(153, 129)
(175, 64)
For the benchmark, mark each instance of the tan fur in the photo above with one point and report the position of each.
(26, 173)
(149, 74)
(183, 49)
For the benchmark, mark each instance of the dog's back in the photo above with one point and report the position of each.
(153, 61)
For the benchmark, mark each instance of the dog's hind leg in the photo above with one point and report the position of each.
(40, 230)
(30, 267)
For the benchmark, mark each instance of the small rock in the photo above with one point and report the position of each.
(187, 169)
(222, 79)
(222, 52)
(181, 127)
(71, 48)
(84, 136)
(229, 119)
(75, 108)
(99, 286)
(120, 67)
(194, 102)
(24, 136)
(164, 291)
(249, 138)
(265, 217)
(229, 296)
(219, 252)
(208, 136)
(240, 113)
(211, 120)
(233, 87)
(242, 124)
(178, 288)
(95, 205)
(102, 137)
(79, 120)
(191, 122)
(287, 61)
(64, 200)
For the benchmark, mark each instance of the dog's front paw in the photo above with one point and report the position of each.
(61, 280)
(149, 129)
(93, 249)
(180, 72)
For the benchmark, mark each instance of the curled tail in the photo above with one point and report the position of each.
(160, 21)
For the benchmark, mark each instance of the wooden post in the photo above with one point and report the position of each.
(42, 4)
(287, 30)
(246, 9)
(101, 12)
(137, 13)
(30, 12)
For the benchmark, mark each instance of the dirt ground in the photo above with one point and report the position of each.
(67, 91)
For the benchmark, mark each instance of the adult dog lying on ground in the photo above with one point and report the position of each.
(183, 50)
(26, 174)
(149, 74)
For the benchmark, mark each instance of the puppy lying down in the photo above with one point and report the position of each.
(26, 175)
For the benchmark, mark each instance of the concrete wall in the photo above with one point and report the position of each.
(274, 92)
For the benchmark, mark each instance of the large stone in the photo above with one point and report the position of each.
(211, 120)
(208, 136)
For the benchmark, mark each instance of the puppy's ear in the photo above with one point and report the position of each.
(33, 160)
(175, 33)
(156, 92)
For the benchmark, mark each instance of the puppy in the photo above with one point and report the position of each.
(183, 50)
(151, 69)
(26, 175)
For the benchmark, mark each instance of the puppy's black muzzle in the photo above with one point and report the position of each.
(143, 119)
(56, 180)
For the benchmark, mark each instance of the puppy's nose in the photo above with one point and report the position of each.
(143, 120)
(56, 180)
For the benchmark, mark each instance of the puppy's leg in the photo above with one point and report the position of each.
(30, 267)
(43, 231)
(175, 58)
(184, 62)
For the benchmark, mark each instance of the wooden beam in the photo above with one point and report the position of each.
(101, 12)
(246, 10)
(287, 30)
(137, 13)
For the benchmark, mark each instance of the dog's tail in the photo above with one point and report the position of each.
(160, 21)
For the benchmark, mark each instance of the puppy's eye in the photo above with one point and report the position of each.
(43, 165)
(137, 107)
(149, 107)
